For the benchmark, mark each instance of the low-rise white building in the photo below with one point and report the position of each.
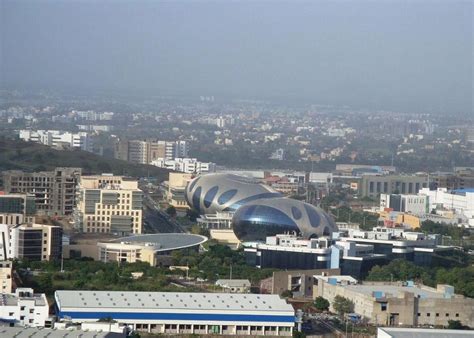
(58, 138)
(413, 204)
(185, 165)
(24, 308)
(234, 285)
(219, 220)
(460, 201)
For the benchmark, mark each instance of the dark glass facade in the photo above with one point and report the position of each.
(210, 195)
(256, 222)
(30, 244)
(226, 196)
(287, 260)
(359, 269)
(56, 243)
(197, 199)
(14, 205)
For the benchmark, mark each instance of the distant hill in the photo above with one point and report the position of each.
(28, 156)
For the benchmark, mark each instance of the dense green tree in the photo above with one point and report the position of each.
(366, 220)
(321, 303)
(192, 215)
(342, 305)
(455, 325)
(399, 270)
(45, 283)
(171, 210)
(461, 277)
(454, 232)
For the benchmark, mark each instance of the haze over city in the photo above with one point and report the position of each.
(236, 169)
(412, 56)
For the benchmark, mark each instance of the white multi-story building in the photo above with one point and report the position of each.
(185, 165)
(95, 127)
(147, 151)
(35, 242)
(57, 138)
(109, 204)
(181, 149)
(91, 115)
(460, 201)
(414, 204)
(24, 308)
(137, 151)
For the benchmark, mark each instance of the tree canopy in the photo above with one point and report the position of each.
(342, 305)
(461, 277)
(321, 303)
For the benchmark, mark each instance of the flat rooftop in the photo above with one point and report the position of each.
(396, 332)
(164, 242)
(12, 300)
(169, 301)
(394, 290)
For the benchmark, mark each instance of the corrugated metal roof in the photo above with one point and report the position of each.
(126, 300)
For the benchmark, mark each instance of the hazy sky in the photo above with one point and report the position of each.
(407, 55)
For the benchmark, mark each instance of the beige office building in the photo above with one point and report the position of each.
(374, 185)
(54, 191)
(6, 285)
(109, 204)
(147, 151)
(399, 304)
(176, 190)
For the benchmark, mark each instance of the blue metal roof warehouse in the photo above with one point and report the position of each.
(181, 312)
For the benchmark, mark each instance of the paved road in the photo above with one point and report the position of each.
(156, 220)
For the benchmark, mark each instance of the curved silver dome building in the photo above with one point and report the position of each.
(268, 217)
(259, 211)
(213, 193)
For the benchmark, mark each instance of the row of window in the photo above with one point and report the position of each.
(118, 213)
(113, 206)
(437, 314)
(216, 328)
(107, 230)
(404, 187)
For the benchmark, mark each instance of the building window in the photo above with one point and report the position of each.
(447, 315)
(428, 314)
(457, 314)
